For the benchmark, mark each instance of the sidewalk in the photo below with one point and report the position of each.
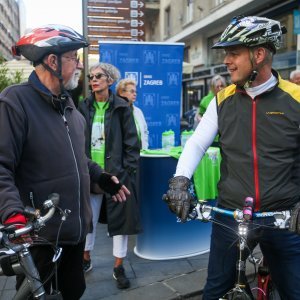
(150, 279)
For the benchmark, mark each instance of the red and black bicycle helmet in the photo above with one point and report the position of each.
(53, 38)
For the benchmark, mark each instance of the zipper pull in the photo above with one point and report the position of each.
(66, 122)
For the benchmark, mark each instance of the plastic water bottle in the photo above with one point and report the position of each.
(168, 140)
(185, 135)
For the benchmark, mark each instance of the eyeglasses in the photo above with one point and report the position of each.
(97, 76)
(73, 58)
(131, 91)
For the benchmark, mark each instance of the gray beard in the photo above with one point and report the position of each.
(73, 82)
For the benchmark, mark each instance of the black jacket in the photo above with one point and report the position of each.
(122, 154)
(42, 153)
(260, 142)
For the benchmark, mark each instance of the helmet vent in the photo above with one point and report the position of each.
(275, 28)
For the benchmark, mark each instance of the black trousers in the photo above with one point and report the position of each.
(71, 281)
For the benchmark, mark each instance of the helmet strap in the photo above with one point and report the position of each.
(253, 73)
(58, 74)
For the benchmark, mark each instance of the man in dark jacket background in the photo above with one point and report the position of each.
(42, 151)
(112, 142)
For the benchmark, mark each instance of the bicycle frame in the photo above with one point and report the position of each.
(32, 283)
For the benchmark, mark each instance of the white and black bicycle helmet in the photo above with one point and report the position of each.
(53, 38)
(252, 31)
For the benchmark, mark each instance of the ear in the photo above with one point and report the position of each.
(51, 61)
(260, 54)
(122, 93)
(110, 81)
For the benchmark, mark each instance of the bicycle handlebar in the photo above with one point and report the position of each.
(39, 221)
(203, 212)
(24, 263)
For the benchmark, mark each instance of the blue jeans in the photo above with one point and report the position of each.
(280, 248)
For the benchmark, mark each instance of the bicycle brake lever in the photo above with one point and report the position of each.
(282, 219)
(200, 212)
(205, 212)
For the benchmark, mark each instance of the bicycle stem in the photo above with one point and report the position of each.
(242, 256)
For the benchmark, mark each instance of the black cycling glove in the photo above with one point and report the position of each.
(108, 185)
(179, 198)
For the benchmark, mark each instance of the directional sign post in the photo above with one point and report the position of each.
(114, 20)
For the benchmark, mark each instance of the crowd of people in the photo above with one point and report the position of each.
(89, 154)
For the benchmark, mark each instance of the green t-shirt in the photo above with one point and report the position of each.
(205, 102)
(98, 134)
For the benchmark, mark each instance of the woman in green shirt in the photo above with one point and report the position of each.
(112, 142)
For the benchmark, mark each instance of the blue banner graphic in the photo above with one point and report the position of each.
(157, 69)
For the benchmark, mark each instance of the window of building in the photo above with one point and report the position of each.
(215, 56)
(167, 21)
(219, 2)
(284, 39)
(186, 54)
(189, 10)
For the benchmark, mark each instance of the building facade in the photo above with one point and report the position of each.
(9, 27)
(199, 23)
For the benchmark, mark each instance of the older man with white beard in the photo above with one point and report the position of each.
(42, 151)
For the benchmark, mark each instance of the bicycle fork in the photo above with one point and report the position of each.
(242, 281)
(32, 282)
(241, 289)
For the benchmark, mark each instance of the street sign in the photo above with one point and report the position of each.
(117, 3)
(115, 20)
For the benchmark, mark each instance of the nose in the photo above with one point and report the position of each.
(225, 60)
(79, 65)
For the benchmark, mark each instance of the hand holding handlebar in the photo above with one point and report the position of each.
(18, 220)
(178, 197)
(39, 221)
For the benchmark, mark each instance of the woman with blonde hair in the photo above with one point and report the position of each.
(126, 88)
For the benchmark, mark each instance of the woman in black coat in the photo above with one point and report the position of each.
(112, 142)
